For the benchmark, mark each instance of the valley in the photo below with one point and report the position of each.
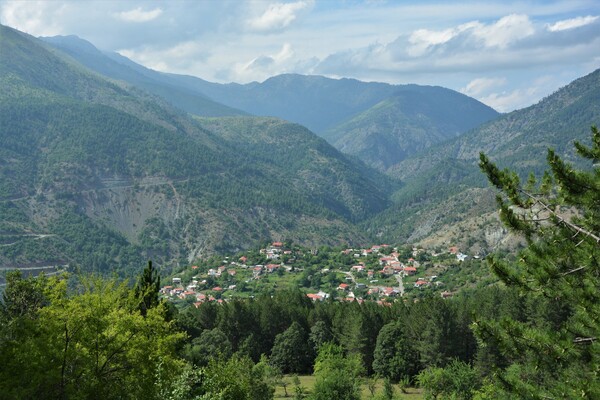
(171, 186)
(273, 200)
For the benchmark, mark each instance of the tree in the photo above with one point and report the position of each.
(395, 357)
(291, 352)
(209, 345)
(22, 297)
(90, 344)
(236, 378)
(559, 355)
(438, 335)
(337, 376)
(319, 335)
(147, 288)
(457, 380)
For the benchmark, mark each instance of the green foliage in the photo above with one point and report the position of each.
(87, 344)
(210, 345)
(22, 298)
(237, 378)
(456, 381)
(337, 375)
(556, 355)
(147, 288)
(395, 355)
(291, 352)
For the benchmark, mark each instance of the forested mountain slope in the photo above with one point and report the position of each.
(444, 186)
(99, 174)
(409, 121)
(379, 123)
(118, 67)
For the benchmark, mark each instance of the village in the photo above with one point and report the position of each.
(380, 273)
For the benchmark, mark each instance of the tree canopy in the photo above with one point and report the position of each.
(557, 356)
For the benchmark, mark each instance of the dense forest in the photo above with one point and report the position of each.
(534, 335)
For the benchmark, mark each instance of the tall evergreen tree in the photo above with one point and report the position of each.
(558, 357)
(147, 289)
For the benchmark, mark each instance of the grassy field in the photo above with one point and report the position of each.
(308, 382)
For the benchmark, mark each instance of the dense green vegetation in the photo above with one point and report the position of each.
(436, 179)
(118, 67)
(101, 176)
(534, 335)
(411, 120)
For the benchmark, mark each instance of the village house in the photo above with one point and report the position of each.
(272, 268)
(358, 268)
(373, 291)
(320, 296)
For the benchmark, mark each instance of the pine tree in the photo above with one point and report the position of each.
(147, 289)
(557, 355)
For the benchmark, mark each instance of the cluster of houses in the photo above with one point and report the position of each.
(389, 265)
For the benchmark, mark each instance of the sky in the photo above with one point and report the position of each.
(507, 54)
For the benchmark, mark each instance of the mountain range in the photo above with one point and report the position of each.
(99, 173)
(106, 163)
(379, 123)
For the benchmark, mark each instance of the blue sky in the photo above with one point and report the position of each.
(507, 54)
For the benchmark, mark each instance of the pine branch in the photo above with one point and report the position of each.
(581, 340)
(561, 220)
(572, 271)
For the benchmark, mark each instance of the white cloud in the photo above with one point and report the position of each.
(505, 31)
(139, 15)
(38, 18)
(265, 66)
(571, 23)
(463, 45)
(278, 16)
(480, 86)
(520, 97)
(179, 57)
(474, 34)
(423, 39)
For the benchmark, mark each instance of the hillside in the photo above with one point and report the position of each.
(380, 124)
(409, 121)
(438, 179)
(115, 66)
(99, 174)
(321, 104)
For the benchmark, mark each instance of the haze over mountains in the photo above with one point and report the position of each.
(102, 166)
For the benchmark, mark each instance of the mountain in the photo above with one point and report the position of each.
(409, 121)
(443, 187)
(118, 67)
(379, 123)
(100, 174)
